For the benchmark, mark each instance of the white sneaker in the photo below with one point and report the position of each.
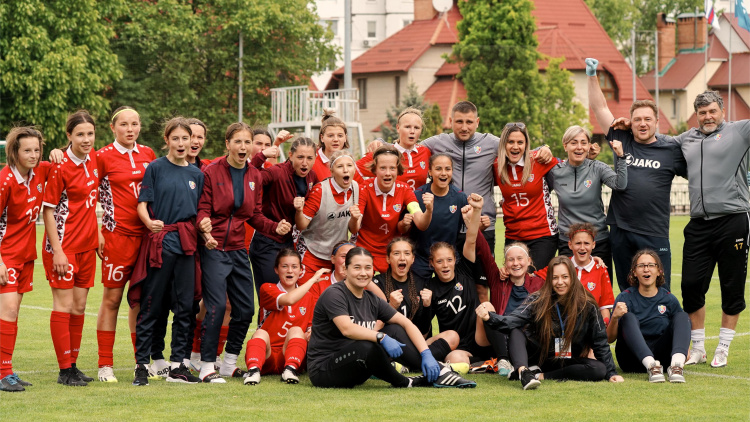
(696, 356)
(106, 374)
(214, 378)
(289, 375)
(504, 368)
(656, 372)
(252, 377)
(720, 358)
(160, 369)
(195, 361)
(675, 374)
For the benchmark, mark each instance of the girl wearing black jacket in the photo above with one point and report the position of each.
(561, 323)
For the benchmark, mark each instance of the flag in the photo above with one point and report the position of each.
(740, 11)
(711, 15)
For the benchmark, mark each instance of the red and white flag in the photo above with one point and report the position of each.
(711, 17)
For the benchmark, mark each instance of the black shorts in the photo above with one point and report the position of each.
(721, 241)
(478, 353)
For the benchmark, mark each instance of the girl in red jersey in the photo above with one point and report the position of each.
(20, 201)
(591, 273)
(332, 138)
(382, 202)
(281, 184)
(231, 196)
(415, 158)
(279, 344)
(121, 166)
(69, 254)
(324, 216)
(527, 208)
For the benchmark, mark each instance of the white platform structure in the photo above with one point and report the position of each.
(298, 109)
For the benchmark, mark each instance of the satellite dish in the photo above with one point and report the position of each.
(442, 6)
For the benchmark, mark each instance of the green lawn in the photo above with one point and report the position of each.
(719, 394)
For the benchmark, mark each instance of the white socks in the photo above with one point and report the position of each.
(698, 337)
(678, 359)
(648, 361)
(175, 365)
(725, 339)
(228, 365)
(207, 368)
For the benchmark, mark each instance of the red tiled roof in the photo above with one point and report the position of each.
(445, 92)
(398, 52)
(740, 74)
(554, 43)
(448, 69)
(740, 109)
(744, 34)
(581, 35)
(685, 67)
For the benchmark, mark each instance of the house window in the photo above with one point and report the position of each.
(407, 22)
(398, 90)
(334, 25)
(372, 29)
(607, 84)
(362, 86)
(674, 107)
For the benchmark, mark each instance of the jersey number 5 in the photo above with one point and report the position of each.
(521, 199)
(285, 329)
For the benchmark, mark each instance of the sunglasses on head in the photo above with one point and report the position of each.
(519, 125)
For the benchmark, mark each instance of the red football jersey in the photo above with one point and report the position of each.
(595, 280)
(416, 164)
(20, 203)
(279, 319)
(380, 217)
(312, 203)
(322, 165)
(527, 208)
(121, 172)
(72, 188)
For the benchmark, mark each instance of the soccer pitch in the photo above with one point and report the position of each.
(716, 394)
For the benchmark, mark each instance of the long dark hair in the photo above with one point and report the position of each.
(573, 304)
(388, 286)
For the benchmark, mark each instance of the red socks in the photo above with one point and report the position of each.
(223, 333)
(76, 333)
(59, 325)
(8, 334)
(295, 352)
(106, 340)
(197, 336)
(255, 353)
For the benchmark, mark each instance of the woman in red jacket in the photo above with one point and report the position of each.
(231, 196)
(281, 184)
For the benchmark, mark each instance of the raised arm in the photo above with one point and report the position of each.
(597, 102)
(472, 231)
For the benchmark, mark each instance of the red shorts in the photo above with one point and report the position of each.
(380, 263)
(81, 270)
(311, 264)
(275, 363)
(20, 279)
(120, 253)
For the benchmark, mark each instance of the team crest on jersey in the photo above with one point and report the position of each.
(718, 136)
(531, 178)
(302, 310)
(590, 285)
(191, 184)
(309, 185)
(96, 173)
(662, 309)
(39, 187)
(587, 183)
(252, 185)
(453, 208)
(145, 165)
(422, 164)
(477, 149)
(459, 287)
(397, 208)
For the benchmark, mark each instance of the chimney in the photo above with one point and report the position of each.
(691, 31)
(667, 38)
(423, 10)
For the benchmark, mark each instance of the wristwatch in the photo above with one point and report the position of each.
(379, 336)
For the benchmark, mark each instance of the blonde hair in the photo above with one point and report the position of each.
(574, 131)
(502, 158)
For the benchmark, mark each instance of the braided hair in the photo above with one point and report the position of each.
(388, 284)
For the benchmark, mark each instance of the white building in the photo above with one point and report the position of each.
(372, 22)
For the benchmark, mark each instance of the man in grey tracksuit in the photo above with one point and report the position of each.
(719, 227)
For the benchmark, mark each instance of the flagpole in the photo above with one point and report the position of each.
(705, 53)
(729, 98)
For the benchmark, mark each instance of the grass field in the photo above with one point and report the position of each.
(716, 394)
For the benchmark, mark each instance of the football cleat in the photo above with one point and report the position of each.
(451, 379)
(70, 378)
(289, 375)
(252, 377)
(10, 384)
(80, 374)
(141, 375)
(214, 378)
(22, 382)
(159, 369)
(696, 356)
(486, 367)
(107, 374)
(720, 358)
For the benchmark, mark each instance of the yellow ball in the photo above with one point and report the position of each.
(461, 368)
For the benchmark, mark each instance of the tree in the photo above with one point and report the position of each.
(181, 58)
(558, 107)
(433, 121)
(55, 58)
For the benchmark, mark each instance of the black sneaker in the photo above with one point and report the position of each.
(419, 381)
(10, 384)
(22, 382)
(289, 375)
(238, 373)
(183, 375)
(80, 374)
(528, 380)
(451, 379)
(141, 375)
(70, 378)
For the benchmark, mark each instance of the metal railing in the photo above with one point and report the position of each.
(297, 105)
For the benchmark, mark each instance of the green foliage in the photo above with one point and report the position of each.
(619, 17)
(182, 58)
(433, 121)
(55, 58)
(558, 107)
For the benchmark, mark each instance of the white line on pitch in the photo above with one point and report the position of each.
(736, 335)
(39, 308)
(706, 374)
